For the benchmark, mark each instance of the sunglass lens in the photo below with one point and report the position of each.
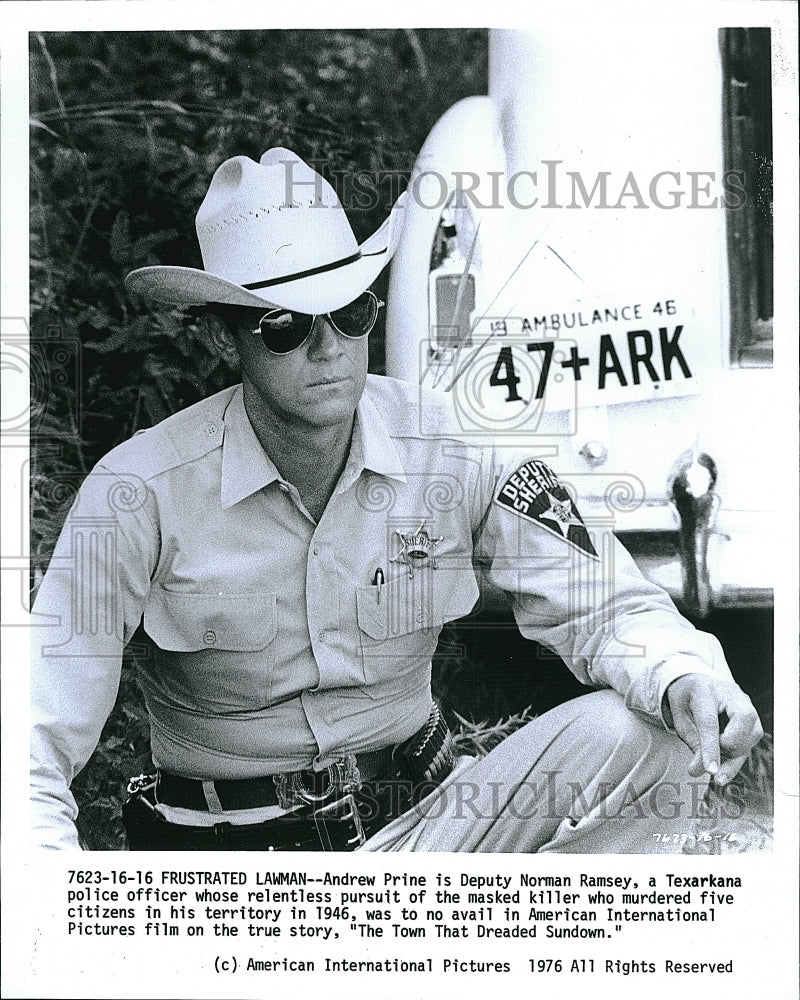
(283, 330)
(357, 318)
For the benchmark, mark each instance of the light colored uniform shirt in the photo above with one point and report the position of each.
(277, 650)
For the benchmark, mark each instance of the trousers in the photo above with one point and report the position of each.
(587, 777)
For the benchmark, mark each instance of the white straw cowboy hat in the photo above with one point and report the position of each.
(273, 232)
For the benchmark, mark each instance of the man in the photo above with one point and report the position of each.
(294, 545)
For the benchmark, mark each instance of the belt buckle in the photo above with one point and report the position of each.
(141, 783)
(341, 809)
(343, 778)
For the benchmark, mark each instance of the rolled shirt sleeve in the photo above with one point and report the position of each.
(576, 590)
(87, 608)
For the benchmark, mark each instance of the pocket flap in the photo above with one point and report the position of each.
(187, 623)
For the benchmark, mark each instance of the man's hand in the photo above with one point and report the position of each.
(716, 720)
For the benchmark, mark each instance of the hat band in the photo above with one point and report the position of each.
(253, 285)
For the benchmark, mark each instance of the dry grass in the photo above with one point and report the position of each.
(478, 738)
(717, 831)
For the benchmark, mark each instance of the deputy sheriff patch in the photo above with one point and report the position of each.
(536, 493)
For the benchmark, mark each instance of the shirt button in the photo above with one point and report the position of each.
(210, 637)
(284, 487)
(322, 635)
(315, 550)
(211, 430)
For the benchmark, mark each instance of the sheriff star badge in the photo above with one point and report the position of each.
(416, 548)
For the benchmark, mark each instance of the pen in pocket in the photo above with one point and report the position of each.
(377, 581)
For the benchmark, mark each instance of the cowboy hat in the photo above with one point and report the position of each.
(273, 232)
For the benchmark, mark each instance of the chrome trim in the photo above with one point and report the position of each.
(692, 482)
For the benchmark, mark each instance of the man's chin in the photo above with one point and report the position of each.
(331, 411)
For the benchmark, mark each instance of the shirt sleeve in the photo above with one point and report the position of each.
(576, 590)
(87, 608)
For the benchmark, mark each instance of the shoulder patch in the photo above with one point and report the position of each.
(535, 492)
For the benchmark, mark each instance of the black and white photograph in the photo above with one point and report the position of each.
(399, 462)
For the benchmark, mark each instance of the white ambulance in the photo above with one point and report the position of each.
(586, 270)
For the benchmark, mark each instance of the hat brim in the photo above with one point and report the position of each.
(316, 293)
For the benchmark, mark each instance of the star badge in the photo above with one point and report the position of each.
(416, 549)
(560, 514)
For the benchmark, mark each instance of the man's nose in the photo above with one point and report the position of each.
(325, 342)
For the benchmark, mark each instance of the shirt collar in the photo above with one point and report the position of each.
(373, 447)
(246, 467)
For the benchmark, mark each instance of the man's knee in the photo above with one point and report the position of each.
(625, 765)
(608, 731)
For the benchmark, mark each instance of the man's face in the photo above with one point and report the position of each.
(319, 384)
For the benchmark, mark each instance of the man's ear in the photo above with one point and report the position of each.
(219, 337)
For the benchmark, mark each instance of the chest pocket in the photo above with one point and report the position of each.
(218, 649)
(399, 633)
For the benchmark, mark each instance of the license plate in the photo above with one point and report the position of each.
(515, 369)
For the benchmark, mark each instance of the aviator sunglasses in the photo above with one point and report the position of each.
(285, 330)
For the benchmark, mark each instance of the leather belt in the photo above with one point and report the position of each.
(253, 793)
(342, 825)
(335, 809)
